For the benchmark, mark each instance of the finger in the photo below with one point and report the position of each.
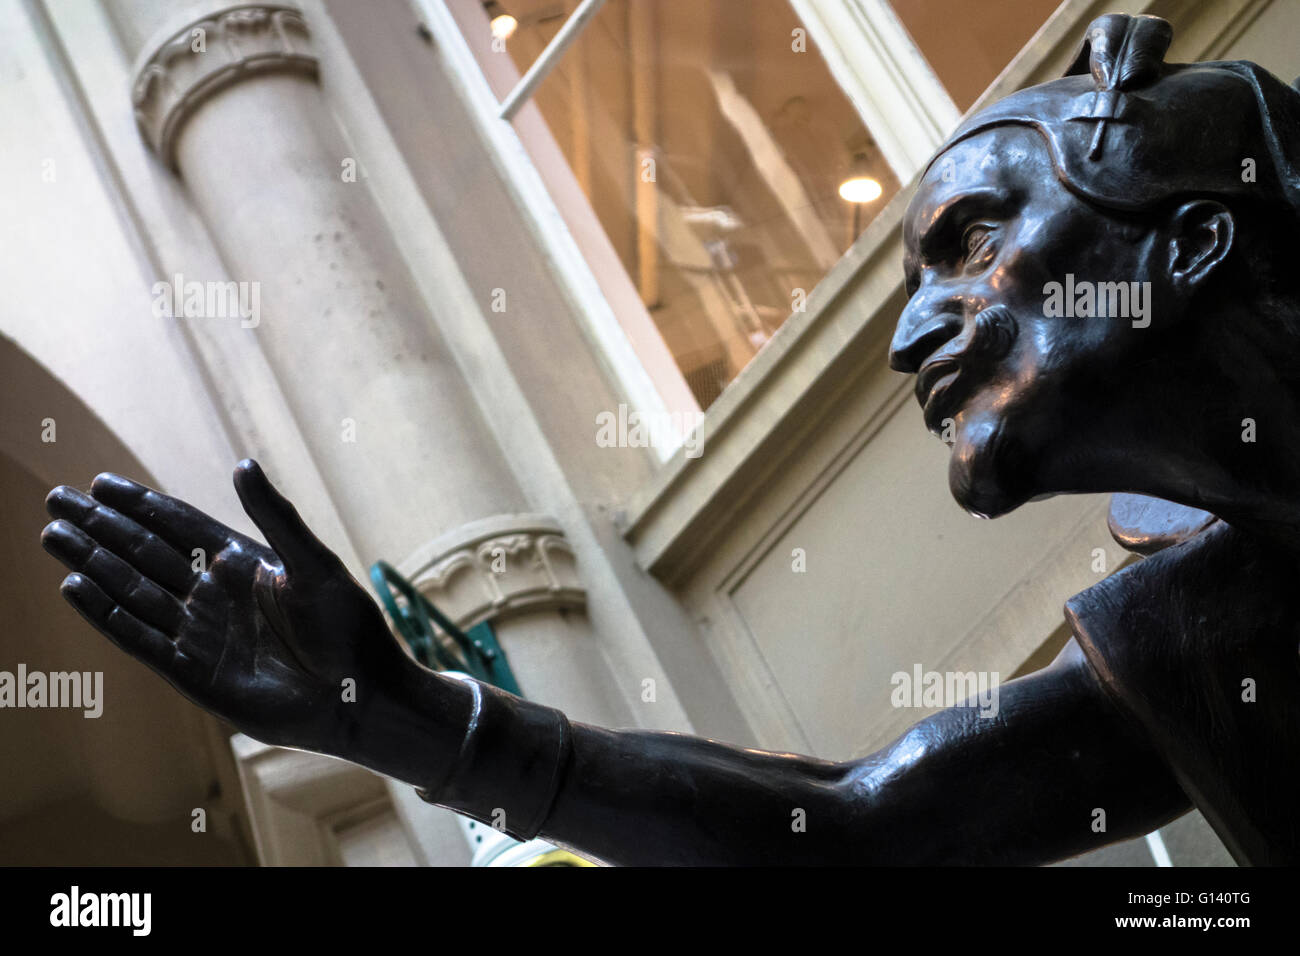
(129, 633)
(142, 549)
(277, 518)
(124, 584)
(181, 525)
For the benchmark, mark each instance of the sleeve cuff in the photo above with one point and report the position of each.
(511, 764)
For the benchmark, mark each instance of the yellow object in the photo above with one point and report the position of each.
(558, 858)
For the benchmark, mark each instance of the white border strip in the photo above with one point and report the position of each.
(1159, 852)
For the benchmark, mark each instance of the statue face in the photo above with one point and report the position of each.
(1036, 397)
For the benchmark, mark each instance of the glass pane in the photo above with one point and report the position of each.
(714, 148)
(521, 28)
(969, 44)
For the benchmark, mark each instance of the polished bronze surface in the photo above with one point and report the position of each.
(1102, 299)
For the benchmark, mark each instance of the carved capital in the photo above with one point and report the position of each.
(498, 566)
(184, 66)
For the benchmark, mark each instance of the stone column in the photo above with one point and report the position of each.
(228, 97)
(230, 101)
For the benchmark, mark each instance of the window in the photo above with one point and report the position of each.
(712, 159)
(713, 146)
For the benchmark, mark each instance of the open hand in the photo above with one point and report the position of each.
(265, 637)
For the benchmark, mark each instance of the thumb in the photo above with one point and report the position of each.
(279, 521)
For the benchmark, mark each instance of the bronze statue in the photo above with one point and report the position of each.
(1103, 297)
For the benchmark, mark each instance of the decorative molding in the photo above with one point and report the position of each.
(185, 66)
(496, 567)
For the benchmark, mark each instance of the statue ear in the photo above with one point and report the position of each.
(1201, 232)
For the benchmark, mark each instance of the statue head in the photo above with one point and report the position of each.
(1103, 281)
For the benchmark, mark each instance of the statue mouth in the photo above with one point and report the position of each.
(945, 380)
(937, 391)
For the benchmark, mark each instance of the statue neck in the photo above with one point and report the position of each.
(1236, 438)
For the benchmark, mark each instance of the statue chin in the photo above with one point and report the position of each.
(982, 476)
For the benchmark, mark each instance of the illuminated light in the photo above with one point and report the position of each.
(860, 189)
(504, 26)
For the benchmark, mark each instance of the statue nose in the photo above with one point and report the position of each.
(920, 333)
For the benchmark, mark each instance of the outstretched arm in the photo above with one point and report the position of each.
(1019, 788)
(266, 637)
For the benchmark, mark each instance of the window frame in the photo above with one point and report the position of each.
(645, 374)
(870, 55)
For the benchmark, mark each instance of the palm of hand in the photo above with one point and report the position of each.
(266, 638)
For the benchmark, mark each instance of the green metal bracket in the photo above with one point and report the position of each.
(477, 651)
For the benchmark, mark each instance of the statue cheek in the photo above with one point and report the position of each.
(1021, 282)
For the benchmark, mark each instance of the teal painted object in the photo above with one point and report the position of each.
(480, 655)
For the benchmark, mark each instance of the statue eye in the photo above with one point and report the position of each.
(977, 245)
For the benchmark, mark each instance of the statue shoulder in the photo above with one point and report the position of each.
(1198, 645)
(1219, 581)
(1200, 580)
